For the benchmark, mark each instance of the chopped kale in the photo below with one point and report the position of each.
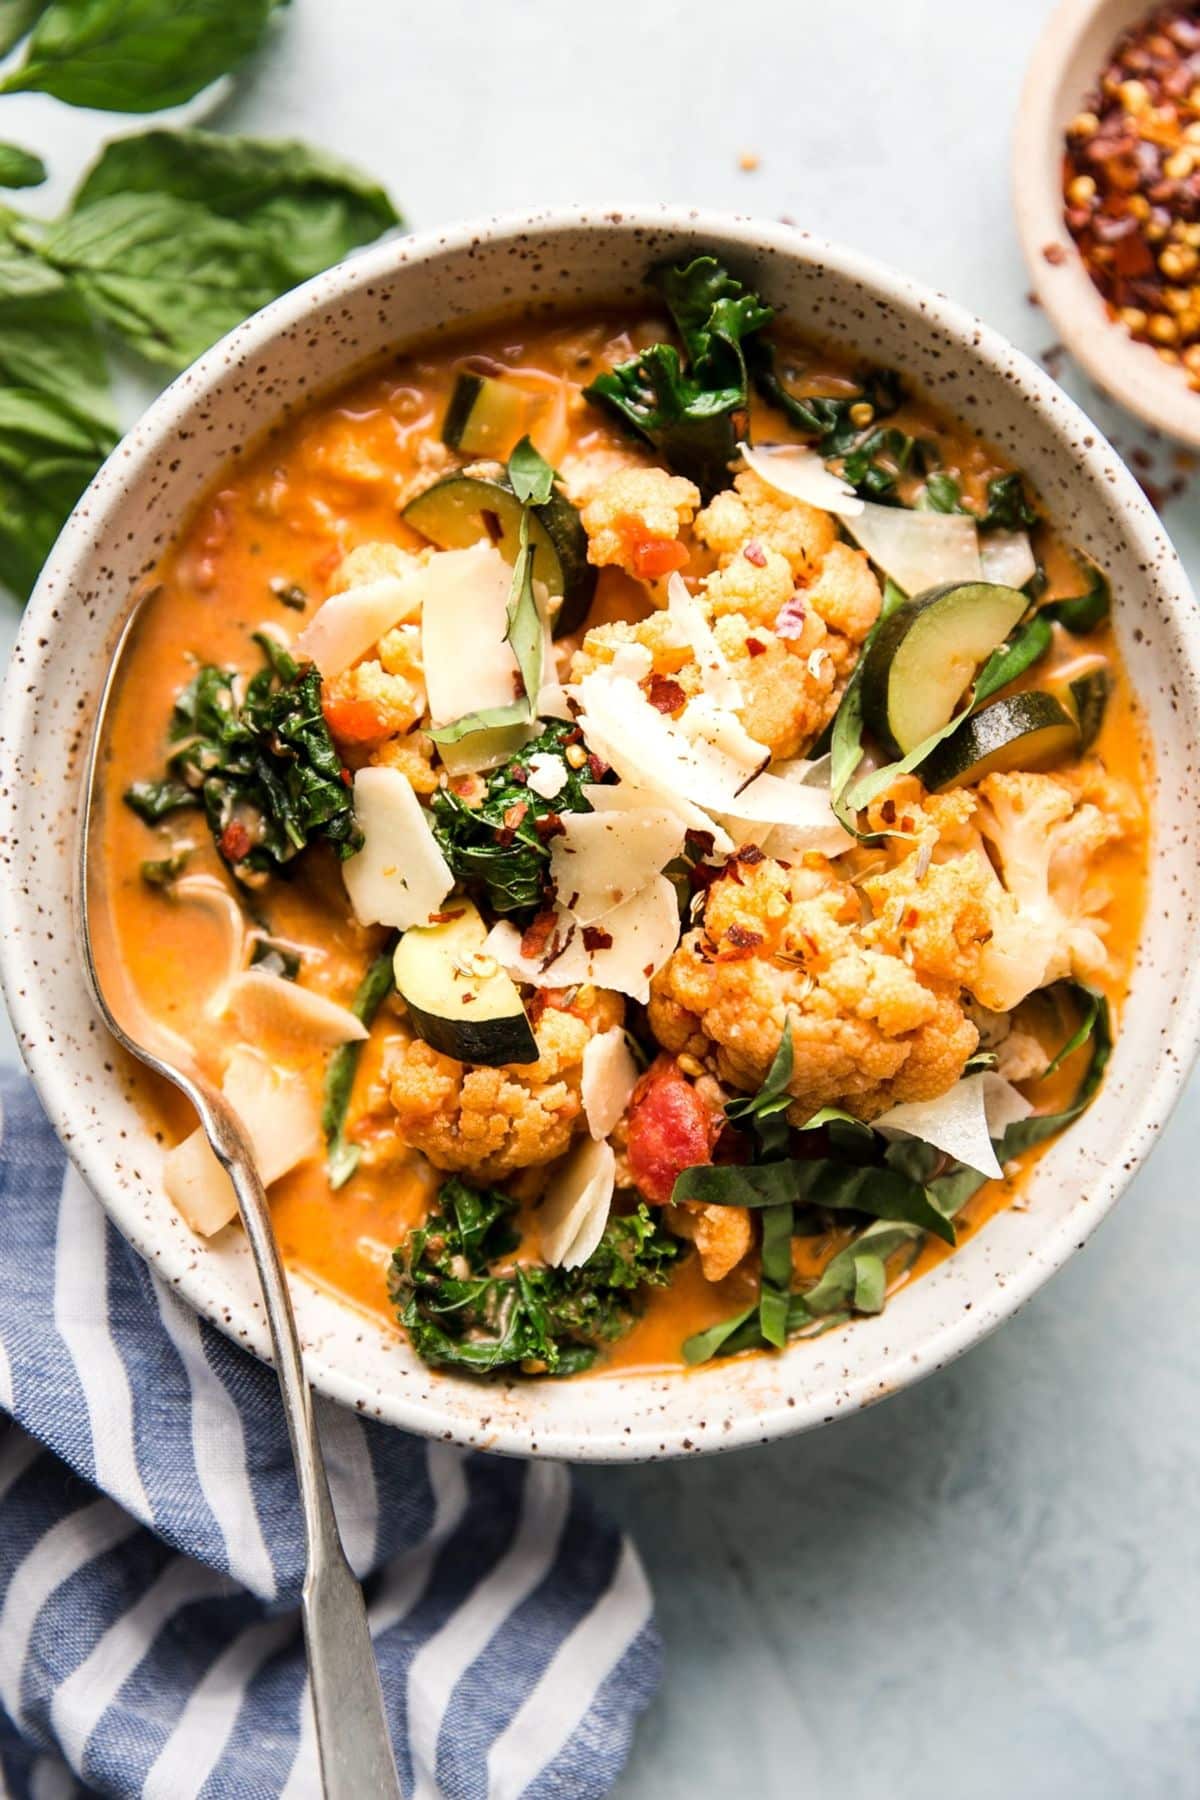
(264, 770)
(694, 413)
(873, 457)
(461, 1313)
(164, 871)
(1008, 507)
(502, 844)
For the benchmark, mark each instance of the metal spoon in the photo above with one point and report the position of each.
(352, 1733)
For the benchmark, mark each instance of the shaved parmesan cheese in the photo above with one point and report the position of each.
(609, 1077)
(633, 660)
(399, 876)
(1004, 1104)
(575, 1210)
(349, 624)
(956, 1122)
(631, 945)
(1007, 557)
(722, 733)
(267, 1004)
(547, 774)
(794, 822)
(717, 678)
(803, 475)
(918, 550)
(601, 858)
(648, 753)
(281, 1123)
(469, 666)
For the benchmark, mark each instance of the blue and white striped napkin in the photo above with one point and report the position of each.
(150, 1554)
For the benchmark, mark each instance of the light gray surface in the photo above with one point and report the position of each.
(988, 1586)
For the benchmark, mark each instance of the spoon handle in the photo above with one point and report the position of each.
(352, 1732)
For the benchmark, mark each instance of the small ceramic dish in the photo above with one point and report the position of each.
(1070, 54)
(417, 288)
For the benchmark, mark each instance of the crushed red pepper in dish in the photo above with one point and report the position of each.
(1131, 184)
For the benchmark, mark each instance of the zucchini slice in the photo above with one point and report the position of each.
(479, 503)
(460, 1000)
(1026, 731)
(926, 654)
(485, 417)
(1087, 697)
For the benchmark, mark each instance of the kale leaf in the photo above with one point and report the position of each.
(1008, 506)
(265, 770)
(458, 1313)
(692, 414)
(502, 845)
(873, 457)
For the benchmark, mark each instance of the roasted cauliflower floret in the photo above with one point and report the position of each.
(756, 585)
(867, 1032)
(633, 521)
(372, 562)
(659, 635)
(751, 510)
(413, 756)
(723, 1235)
(489, 1122)
(1000, 894)
(790, 691)
(846, 595)
(365, 704)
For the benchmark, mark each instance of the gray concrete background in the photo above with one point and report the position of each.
(989, 1586)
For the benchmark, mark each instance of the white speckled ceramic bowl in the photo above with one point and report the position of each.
(307, 342)
(1070, 55)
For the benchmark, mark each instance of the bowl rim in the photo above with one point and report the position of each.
(790, 1408)
(1129, 371)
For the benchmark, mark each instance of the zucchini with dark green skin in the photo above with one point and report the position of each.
(1025, 731)
(1087, 697)
(479, 502)
(458, 998)
(926, 654)
(485, 417)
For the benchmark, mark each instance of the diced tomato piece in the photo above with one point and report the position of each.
(354, 721)
(671, 1128)
(654, 557)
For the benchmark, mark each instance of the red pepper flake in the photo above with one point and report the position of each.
(597, 767)
(665, 695)
(789, 620)
(537, 934)
(701, 842)
(742, 938)
(518, 776)
(755, 647)
(445, 917)
(750, 854)
(887, 812)
(514, 814)
(594, 938)
(548, 826)
(754, 553)
(347, 778)
(235, 841)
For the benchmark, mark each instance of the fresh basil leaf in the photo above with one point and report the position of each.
(1026, 646)
(880, 1193)
(342, 1158)
(20, 168)
(705, 1344)
(776, 1274)
(765, 1113)
(168, 275)
(1022, 1134)
(525, 632)
(136, 55)
(942, 493)
(823, 417)
(48, 340)
(838, 1281)
(530, 475)
(870, 1284)
(48, 455)
(1081, 613)
(311, 208)
(491, 718)
(17, 17)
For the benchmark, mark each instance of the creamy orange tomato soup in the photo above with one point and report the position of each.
(900, 963)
